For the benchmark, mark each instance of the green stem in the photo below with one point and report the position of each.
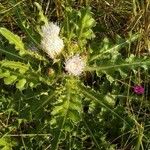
(140, 137)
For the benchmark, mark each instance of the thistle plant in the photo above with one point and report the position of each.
(47, 96)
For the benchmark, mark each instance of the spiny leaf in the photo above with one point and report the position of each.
(20, 73)
(123, 64)
(42, 18)
(67, 109)
(15, 65)
(68, 101)
(85, 23)
(10, 53)
(106, 48)
(14, 39)
(36, 55)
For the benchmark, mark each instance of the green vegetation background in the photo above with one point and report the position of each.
(111, 116)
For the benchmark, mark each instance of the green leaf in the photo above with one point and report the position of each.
(10, 80)
(10, 53)
(20, 84)
(4, 74)
(74, 115)
(6, 143)
(14, 39)
(21, 71)
(78, 26)
(57, 110)
(68, 103)
(15, 65)
(106, 48)
(93, 96)
(67, 109)
(91, 133)
(134, 64)
(42, 18)
(85, 23)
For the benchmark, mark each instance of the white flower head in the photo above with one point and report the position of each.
(52, 46)
(75, 65)
(50, 29)
(51, 43)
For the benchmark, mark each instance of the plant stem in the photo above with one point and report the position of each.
(140, 136)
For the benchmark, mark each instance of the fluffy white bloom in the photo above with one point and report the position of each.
(50, 29)
(52, 46)
(51, 43)
(75, 65)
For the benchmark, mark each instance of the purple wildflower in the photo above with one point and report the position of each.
(138, 89)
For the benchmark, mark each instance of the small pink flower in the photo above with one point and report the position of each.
(138, 89)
